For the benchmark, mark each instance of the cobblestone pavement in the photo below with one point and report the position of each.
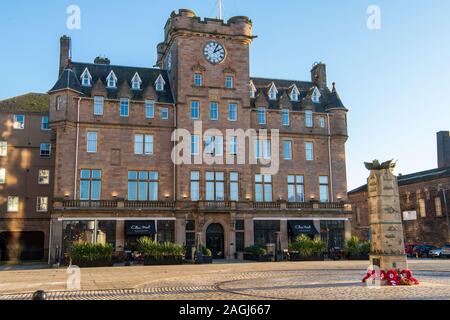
(227, 281)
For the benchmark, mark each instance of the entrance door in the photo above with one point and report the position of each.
(215, 241)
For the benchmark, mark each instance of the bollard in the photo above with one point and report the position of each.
(39, 295)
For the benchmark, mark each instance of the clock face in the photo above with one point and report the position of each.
(214, 52)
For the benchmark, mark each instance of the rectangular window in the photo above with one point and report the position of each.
(262, 149)
(324, 190)
(98, 105)
(91, 142)
(261, 115)
(438, 206)
(322, 122)
(143, 144)
(285, 118)
(45, 149)
(263, 188)
(234, 186)
(149, 109)
(422, 208)
(44, 177)
(44, 123)
(58, 103)
(214, 145)
(195, 185)
(165, 113)
(90, 184)
(3, 148)
(265, 232)
(240, 235)
(195, 145)
(42, 204)
(309, 151)
(124, 107)
(233, 145)
(287, 149)
(229, 82)
(309, 119)
(19, 122)
(215, 183)
(296, 189)
(143, 185)
(195, 110)
(198, 80)
(2, 176)
(13, 204)
(232, 112)
(214, 111)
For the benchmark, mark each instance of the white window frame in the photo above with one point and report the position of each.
(322, 122)
(123, 100)
(229, 82)
(143, 144)
(195, 185)
(290, 155)
(214, 145)
(216, 105)
(160, 83)
(309, 152)
(149, 106)
(164, 113)
(323, 185)
(86, 78)
(41, 177)
(2, 175)
(195, 105)
(195, 145)
(111, 80)
(198, 79)
(58, 103)
(309, 119)
(18, 125)
(91, 141)
(38, 204)
(234, 184)
(136, 82)
(232, 106)
(273, 92)
(261, 112)
(99, 102)
(252, 90)
(285, 112)
(42, 123)
(49, 150)
(3, 148)
(262, 149)
(14, 209)
(294, 94)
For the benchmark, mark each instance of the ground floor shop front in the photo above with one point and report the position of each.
(225, 234)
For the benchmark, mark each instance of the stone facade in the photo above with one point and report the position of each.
(180, 56)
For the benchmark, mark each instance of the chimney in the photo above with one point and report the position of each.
(319, 75)
(102, 60)
(443, 149)
(64, 54)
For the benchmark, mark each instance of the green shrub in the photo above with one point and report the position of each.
(365, 247)
(149, 247)
(89, 252)
(354, 247)
(206, 252)
(306, 247)
(256, 250)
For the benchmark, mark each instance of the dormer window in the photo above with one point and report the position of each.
(111, 80)
(252, 89)
(159, 83)
(273, 92)
(86, 78)
(316, 96)
(294, 93)
(136, 82)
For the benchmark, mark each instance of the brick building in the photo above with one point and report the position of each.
(26, 170)
(424, 201)
(115, 179)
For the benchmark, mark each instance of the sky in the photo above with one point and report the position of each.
(394, 80)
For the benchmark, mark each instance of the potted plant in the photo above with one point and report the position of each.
(257, 253)
(357, 250)
(207, 256)
(156, 253)
(87, 255)
(305, 249)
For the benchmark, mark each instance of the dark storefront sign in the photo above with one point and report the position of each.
(303, 227)
(140, 228)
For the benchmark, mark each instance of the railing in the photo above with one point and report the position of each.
(299, 205)
(89, 203)
(149, 204)
(215, 204)
(266, 205)
(331, 205)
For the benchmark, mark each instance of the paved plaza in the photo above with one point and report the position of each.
(226, 281)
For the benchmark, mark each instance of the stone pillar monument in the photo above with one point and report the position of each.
(386, 229)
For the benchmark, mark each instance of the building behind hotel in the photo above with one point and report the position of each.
(114, 176)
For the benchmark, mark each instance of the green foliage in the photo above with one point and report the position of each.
(354, 247)
(256, 250)
(206, 252)
(149, 247)
(89, 252)
(306, 247)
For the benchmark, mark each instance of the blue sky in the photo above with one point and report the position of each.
(395, 81)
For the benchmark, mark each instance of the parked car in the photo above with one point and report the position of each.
(409, 249)
(423, 250)
(435, 253)
(445, 253)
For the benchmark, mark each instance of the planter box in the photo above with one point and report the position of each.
(163, 261)
(93, 264)
(297, 257)
(363, 257)
(258, 258)
(207, 260)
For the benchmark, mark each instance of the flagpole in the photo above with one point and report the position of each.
(220, 9)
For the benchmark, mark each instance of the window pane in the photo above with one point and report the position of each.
(234, 176)
(153, 191)
(96, 174)
(132, 191)
(220, 191)
(138, 144)
(259, 193)
(234, 191)
(195, 175)
(268, 192)
(209, 176)
(95, 192)
(149, 109)
(84, 190)
(210, 191)
(85, 174)
(291, 179)
(287, 150)
(291, 193)
(132, 175)
(148, 144)
(195, 193)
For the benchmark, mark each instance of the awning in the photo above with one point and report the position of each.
(303, 227)
(140, 228)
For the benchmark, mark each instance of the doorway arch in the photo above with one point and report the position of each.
(215, 240)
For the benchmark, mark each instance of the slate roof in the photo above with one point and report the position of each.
(27, 103)
(413, 178)
(329, 99)
(71, 79)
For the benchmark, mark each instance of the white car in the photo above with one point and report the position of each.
(435, 253)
